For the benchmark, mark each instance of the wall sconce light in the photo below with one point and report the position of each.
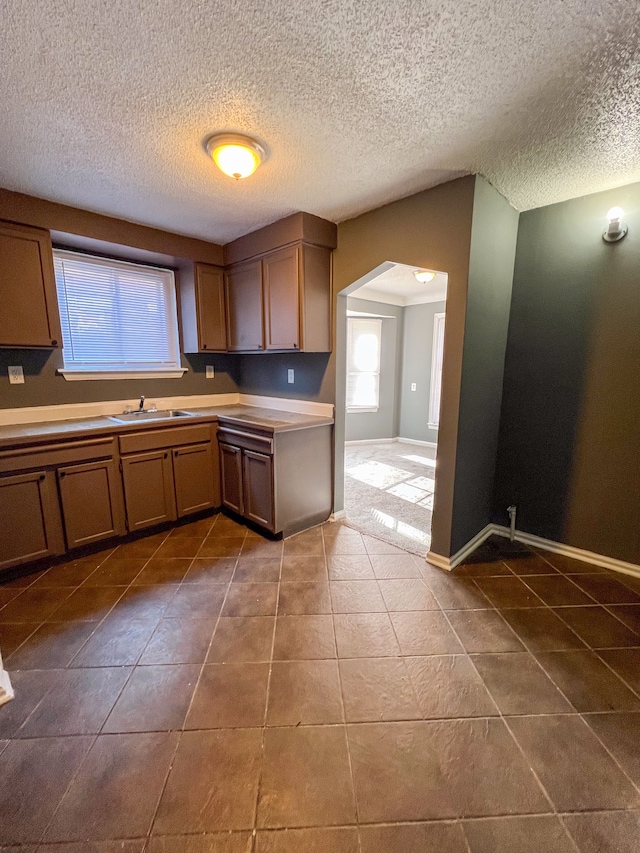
(617, 228)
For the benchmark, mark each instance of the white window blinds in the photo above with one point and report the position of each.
(436, 370)
(116, 316)
(363, 363)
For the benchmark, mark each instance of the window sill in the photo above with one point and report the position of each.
(87, 375)
(362, 411)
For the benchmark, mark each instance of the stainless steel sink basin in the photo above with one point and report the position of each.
(161, 415)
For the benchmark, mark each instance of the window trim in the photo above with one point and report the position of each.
(351, 409)
(77, 373)
(434, 416)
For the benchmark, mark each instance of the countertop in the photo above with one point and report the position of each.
(271, 420)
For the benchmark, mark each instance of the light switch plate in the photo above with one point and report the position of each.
(210, 374)
(290, 373)
(413, 386)
(16, 375)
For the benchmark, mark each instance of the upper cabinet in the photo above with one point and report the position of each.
(29, 315)
(245, 320)
(278, 287)
(202, 300)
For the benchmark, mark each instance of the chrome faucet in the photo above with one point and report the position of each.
(141, 406)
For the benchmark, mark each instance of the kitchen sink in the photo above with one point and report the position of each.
(160, 415)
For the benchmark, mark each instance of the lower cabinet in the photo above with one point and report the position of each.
(148, 489)
(168, 483)
(231, 477)
(90, 496)
(247, 484)
(30, 526)
(257, 488)
(193, 477)
(279, 480)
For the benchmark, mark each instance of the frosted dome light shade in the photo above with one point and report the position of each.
(236, 155)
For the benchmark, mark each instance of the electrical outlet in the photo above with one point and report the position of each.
(413, 386)
(16, 376)
(210, 374)
(290, 378)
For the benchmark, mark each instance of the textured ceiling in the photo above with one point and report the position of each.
(398, 286)
(105, 104)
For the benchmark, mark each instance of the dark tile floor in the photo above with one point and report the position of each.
(208, 691)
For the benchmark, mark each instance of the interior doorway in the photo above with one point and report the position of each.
(393, 336)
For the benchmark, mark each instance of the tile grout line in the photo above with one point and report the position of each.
(342, 701)
(577, 712)
(254, 833)
(182, 730)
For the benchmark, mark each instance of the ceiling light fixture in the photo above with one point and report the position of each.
(617, 228)
(423, 276)
(235, 154)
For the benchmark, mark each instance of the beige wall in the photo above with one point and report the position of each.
(431, 229)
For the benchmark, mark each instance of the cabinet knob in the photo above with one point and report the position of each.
(204, 346)
(295, 346)
(166, 455)
(41, 477)
(62, 474)
(54, 343)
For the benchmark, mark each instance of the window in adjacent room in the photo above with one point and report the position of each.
(436, 371)
(363, 364)
(119, 319)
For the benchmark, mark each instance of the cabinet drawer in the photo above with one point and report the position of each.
(246, 440)
(138, 442)
(56, 454)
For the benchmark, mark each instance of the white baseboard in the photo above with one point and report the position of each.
(68, 411)
(6, 690)
(569, 551)
(338, 516)
(415, 441)
(391, 441)
(370, 441)
(448, 563)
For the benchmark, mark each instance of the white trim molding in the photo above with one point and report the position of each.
(6, 690)
(449, 563)
(591, 557)
(611, 563)
(391, 441)
(68, 411)
(418, 443)
(338, 516)
(78, 375)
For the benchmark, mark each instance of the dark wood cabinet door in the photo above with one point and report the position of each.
(193, 478)
(30, 525)
(29, 314)
(281, 281)
(244, 308)
(257, 480)
(210, 301)
(91, 500)
(231, 477)
(148, 489)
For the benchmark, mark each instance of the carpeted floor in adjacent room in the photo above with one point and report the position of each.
(389, 492)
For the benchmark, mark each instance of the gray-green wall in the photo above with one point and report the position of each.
(361, 426)
(44, 387)
(569, 453)
(417, 352)
(491, 262)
